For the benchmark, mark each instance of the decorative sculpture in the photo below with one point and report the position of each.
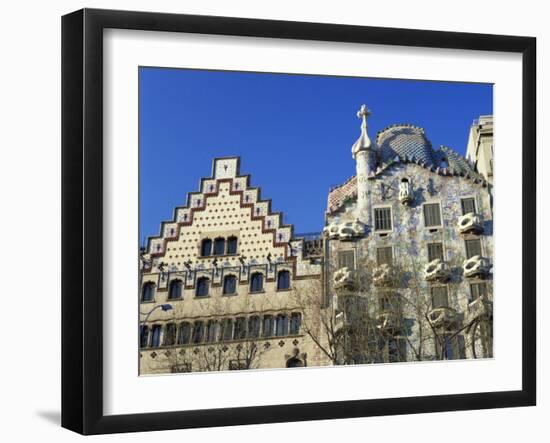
(437, 270)
(405, 192)
(343, 279)
(470, 223)
(382, 275)
(443, 317)
(345, 231)
(476, 266)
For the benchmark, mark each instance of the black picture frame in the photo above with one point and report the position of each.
(82, 218)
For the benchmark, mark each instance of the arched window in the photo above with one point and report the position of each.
(219, 246)
(229, 284)
(254, 327)
(174, 291)
(212, 329)
(282, 325)
(203, 284)
(283, 280)
(198, 332)
(155, 336)
(256, 282)
(294, 363)
(184, 334)
(295, 323)
(268, 326)
(206, 247)
(170, 334)
(144, 336)
(148, 291)
(232, 245)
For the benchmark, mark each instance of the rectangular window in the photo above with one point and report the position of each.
(198, 332)
(432, 215)
(384, 303)
(449, 347)
(240, 328)
(478, 290)
(227, 329)
(382, 219)
(170, 334)
(346, 259)
(254, 327)
(295, 323)
(473, 247)
(468, 205)
(384, 255)
(435, 251)
(268, 326)
(439, 297)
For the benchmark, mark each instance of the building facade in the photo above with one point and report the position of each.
(409, 248)
(220, 285)
(401, 272)
(479, 151)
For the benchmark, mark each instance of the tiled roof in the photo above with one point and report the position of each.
(405, 141)
(339, 194)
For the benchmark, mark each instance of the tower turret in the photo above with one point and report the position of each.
(364, 154)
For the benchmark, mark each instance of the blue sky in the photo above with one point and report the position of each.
(293, 132)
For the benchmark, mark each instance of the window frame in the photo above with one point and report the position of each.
(473, 239)
(219, 241)
(228, 241)
(378, 262)
(346, 252)
(254, 274)
(468, 197)
(148, 284)
(201, 251)
(442, 257)
(285, 272)
(197, 286)
(235, 279)
(376, 208)
(435, 202)
(172, 282)
(435, 287)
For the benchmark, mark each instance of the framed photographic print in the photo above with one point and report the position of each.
(269, 221)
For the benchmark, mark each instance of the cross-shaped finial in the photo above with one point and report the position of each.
(363, 112)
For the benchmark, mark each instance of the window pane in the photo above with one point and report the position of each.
(212, 331)
(439, 297)
(202, 287)
(283, 280)
(256, 282)
(478, 290)
(227, 329)
(184, 333)
(468, 205)
(155, 338)
(282, 325)
(435, 251)
(175, 289)
(170, 334)
(473, 247)
(206, 247)
(432, 215)
(295, 323)
(229, 284)
(232, 245)
(346, 259)
(382, 219)
(240, 328)
(268, 326)
(144, 337)
(219, 246)
(254, 327)
(198, 332)
(148, 291)
(384, 255)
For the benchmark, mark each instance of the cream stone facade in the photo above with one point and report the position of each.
(402, 270)
(479, 151)
(219, 285)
